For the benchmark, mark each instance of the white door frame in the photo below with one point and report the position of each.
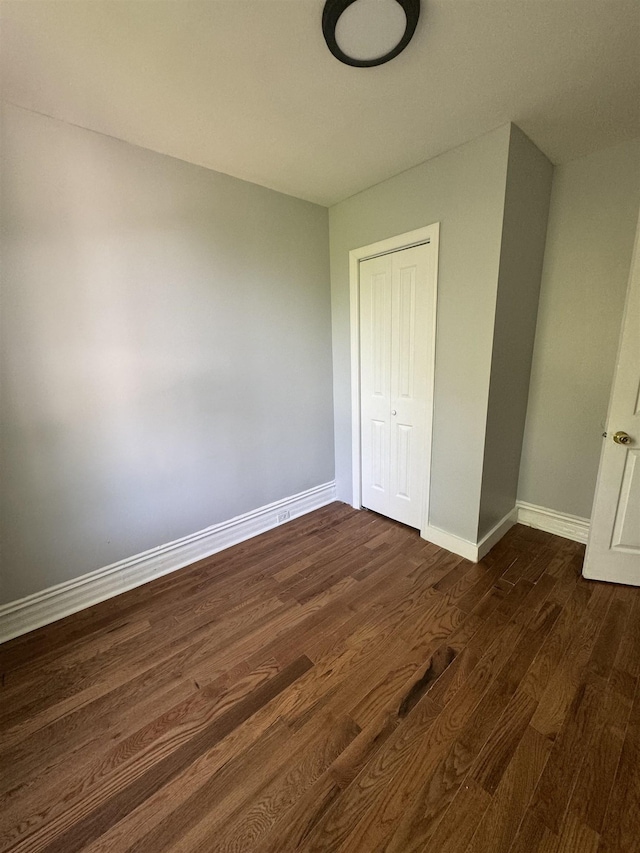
(430, 234)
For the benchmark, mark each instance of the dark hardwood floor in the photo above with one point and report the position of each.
(335, 684)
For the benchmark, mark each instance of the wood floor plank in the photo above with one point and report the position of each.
(628, 658)
(496, 754)
(566, 680)
(604, 652)
(248, 738)
(460, 821)
(537, 677)
(597, 772)
(135, 792)
(255, 816)
(413, 774)
(531, 837)
(335, 830)
(72, 763)
(498, 828)
(576, 836)
(336, 684)
(422, 818)
(219, 795)
(622, 819)
(292, 830)
(556, 784)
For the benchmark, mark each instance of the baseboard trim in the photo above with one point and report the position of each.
(560, 523)
(56, 602)
(473, 551)
(496, 533)
(461, 547)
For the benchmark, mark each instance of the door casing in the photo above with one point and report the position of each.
(429, 234)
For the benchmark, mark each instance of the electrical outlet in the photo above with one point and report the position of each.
(284, 516)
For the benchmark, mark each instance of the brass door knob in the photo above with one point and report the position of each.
(622, 438)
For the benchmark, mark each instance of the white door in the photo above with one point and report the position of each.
(613, 550)
(395, 388)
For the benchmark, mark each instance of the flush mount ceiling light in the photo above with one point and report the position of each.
(364, 33)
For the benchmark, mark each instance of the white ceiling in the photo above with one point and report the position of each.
(248, 87)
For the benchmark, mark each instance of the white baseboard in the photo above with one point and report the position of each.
(462, 547)
(473, 551)
(496, 533)
(560, 523)
(49, 605)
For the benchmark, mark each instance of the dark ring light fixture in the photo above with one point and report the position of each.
(331, 13)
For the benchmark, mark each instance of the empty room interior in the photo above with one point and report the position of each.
(320, 426)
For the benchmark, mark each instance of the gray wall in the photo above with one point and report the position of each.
(592, 222)
(529, 176)
(464, 190)
(167, 350)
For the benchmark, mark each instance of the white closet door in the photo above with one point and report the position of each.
(395, 345)
(375, 381)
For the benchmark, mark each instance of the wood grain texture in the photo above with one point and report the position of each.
(336, 684)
